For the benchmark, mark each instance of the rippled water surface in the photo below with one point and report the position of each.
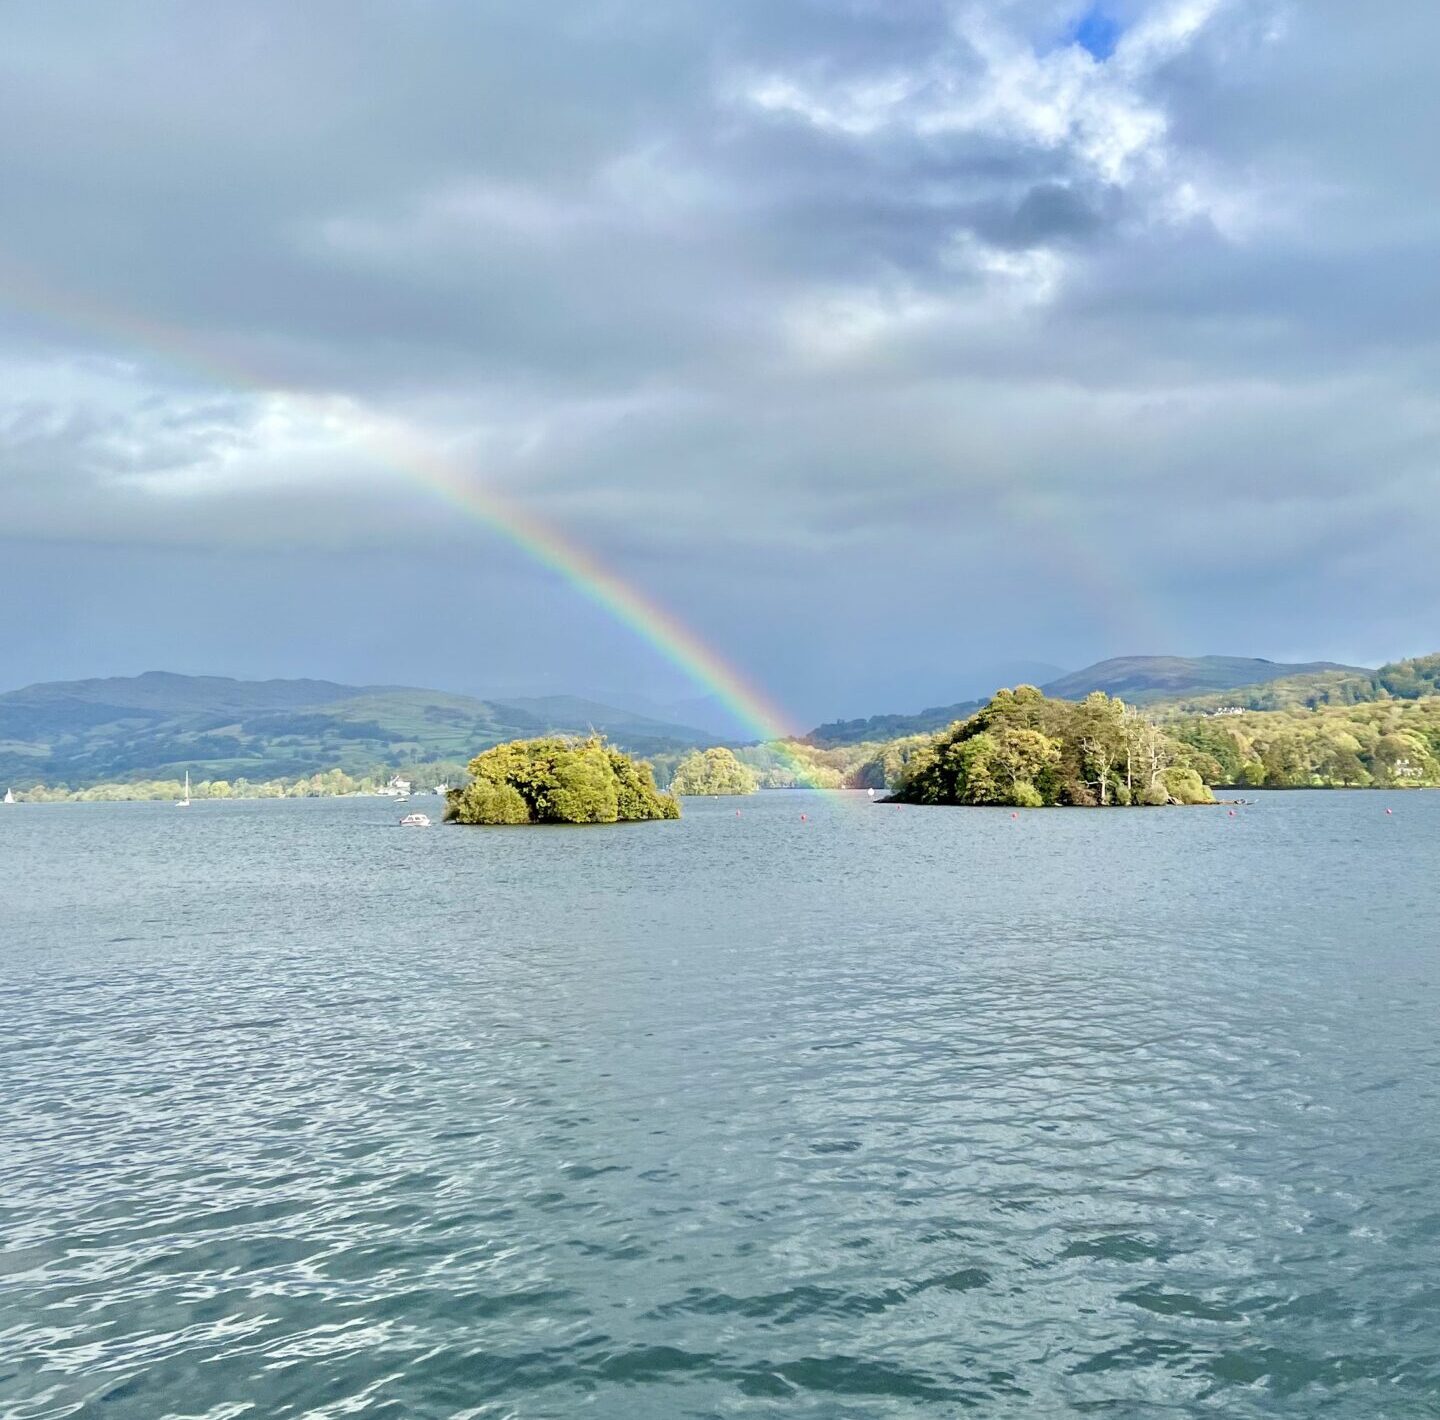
(886, 1112)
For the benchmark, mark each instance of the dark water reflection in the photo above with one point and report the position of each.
(886, 1113)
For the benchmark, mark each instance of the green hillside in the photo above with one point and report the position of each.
(1139, 680)
(1415, 679)
(889, 727)
(159, 725)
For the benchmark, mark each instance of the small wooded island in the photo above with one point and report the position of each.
(1029, 751)
(713, 771)
(557, 780)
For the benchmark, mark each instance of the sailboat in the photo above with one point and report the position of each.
(9, 796)
(185, 802)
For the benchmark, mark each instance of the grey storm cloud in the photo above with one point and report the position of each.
(875, 339)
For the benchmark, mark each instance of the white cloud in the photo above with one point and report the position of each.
(990, 81)
(726, 299)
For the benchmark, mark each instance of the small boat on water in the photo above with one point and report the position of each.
(185, 802)
(9, 796)
(415, 821)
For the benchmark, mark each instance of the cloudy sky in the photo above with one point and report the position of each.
(883, 342)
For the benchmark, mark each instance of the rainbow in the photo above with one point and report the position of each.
(399, 448)
(394, 445)
(664, 632)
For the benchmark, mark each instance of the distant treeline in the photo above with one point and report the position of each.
(1390, 739)
(714, 772)
(1325, 729)
(328, 783)
(1388, 743)
(776, 764)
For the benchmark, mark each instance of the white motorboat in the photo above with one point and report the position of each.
(415, 821)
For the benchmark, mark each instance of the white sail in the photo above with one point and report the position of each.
(9, 796)
(185, 802)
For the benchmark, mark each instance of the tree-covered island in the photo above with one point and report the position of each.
(558, 780)
(713, 771)
(1027, 750)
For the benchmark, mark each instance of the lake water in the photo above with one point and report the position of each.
(883, 1112)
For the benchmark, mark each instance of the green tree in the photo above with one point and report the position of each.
(1027, 749)
(1004, 765)
(485, 801)
(715, 771)
(557, 780)
(1286, 763)
(583, 788)
(1342, 766)
(1099, 735)
(1184, 786)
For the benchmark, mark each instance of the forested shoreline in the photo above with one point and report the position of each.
(1329, 729)
(325, 784)
(1390, 744)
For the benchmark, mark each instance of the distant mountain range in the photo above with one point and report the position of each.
(1142, 680)
(158, 725)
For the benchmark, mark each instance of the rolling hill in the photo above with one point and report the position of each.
(1414, 679)
(890, 727)
(1142, 680)
(158, 725)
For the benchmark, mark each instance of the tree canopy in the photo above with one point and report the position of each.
(558, 780)
(1027, 750)
(1392, 743)
(713, 771)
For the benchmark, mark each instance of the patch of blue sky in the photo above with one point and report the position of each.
(1098, 32)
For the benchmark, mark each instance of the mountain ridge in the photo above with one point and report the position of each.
(161, 723)
(1142, 680)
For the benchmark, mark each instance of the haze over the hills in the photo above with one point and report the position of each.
(867, 341)
(158, 724)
